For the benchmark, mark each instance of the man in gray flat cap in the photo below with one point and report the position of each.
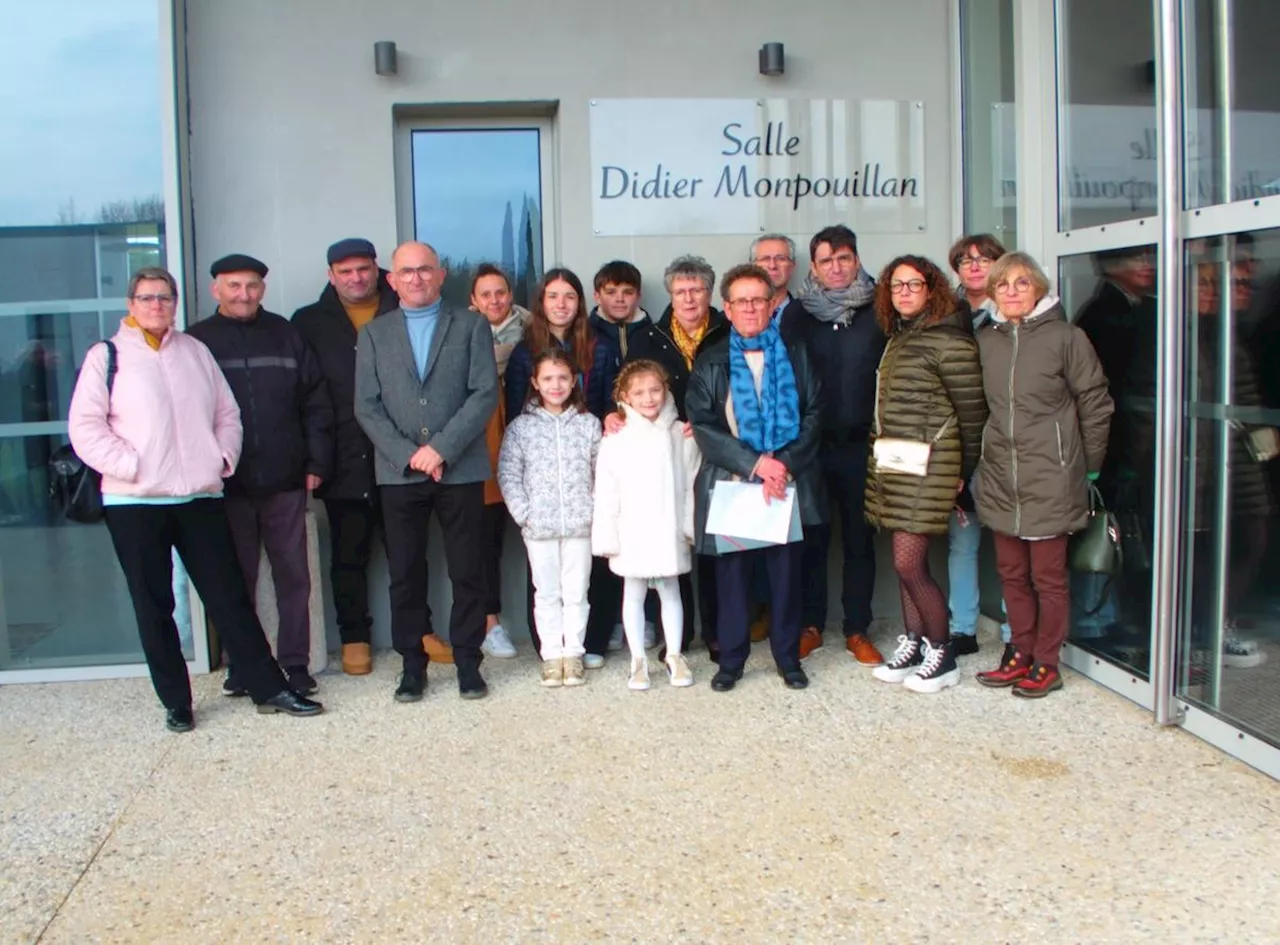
(288, 449)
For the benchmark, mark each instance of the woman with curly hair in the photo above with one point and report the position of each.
(926, 441)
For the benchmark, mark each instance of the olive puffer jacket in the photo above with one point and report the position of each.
(929, 389)
(1050, 417)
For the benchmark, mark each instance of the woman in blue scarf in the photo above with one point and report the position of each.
(755, 405)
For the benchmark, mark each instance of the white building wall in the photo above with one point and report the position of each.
(293, 138)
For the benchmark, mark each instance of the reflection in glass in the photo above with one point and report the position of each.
(990, 168)
(80, 211)
(1107, 117)
(1231, 145)
(1229, 653)
(477, 197)
(1112, 294)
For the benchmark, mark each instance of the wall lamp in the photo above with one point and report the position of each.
(772, 61)
(384, 57)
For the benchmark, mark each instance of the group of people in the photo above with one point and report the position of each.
(892, 403)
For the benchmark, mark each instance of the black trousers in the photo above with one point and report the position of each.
(495, 531)
(352, 524)
(782, 564)
(845, 469)
(604, 595)
(406, 512)
(144, 537)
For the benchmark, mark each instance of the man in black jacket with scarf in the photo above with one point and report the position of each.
(288, 449)
(846, 344)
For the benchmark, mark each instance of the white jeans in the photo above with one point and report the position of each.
(561, 571)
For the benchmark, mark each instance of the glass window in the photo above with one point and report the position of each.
(1229, 653)
(1233, 101)
(1110, 295)
(1107, 112)
(80, 210)
(990, 152)
(477, 197)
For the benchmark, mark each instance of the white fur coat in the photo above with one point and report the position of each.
(644, 496)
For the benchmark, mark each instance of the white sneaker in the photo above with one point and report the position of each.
(615, 640)
(650, 636)
(639, 674)
(498, 644)
(1240, 652)
(678, 671)
(904, 662)
(593, 661)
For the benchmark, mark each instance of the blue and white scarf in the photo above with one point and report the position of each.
(771, 420)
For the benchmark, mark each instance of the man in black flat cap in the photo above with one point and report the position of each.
(287, 452)
(356, 294)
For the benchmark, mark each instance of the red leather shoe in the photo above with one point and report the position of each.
(810, 640)
(1039, 682)
(1007, 673)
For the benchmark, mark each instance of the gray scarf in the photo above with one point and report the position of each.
(839, 305)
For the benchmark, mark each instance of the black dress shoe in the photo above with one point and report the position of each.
(471, 684)
(412, 684)
(232, 687)
(179, 720)
(290, 703)
(725, 679)
(300, 681)
(964, 644)
(795, 678)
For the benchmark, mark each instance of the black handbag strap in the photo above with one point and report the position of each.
(111, 367)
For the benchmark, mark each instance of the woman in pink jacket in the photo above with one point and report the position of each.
(164, 436)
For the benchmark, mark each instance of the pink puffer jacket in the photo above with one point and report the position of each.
(170, 426)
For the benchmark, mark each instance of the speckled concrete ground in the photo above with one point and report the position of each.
(852, 812)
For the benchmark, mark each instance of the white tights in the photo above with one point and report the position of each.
(633, 594)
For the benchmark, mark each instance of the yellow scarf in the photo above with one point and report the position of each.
(152, 340)
(688, 343)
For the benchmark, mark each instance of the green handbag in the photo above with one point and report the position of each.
(1096, 548)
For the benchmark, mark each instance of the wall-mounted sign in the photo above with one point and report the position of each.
(722, 166)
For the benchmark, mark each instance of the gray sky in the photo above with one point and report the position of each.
(79, 105)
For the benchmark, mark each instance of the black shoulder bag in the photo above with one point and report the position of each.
(73, 485)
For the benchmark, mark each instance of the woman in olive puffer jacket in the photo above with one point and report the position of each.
(928, 399)
(1046, 438)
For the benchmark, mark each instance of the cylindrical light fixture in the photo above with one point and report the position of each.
(384, 57)
(772, 61)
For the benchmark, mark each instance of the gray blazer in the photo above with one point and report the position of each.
(448, 410)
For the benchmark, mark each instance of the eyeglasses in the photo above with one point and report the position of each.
(419, 272)
(749, 304)
(154, 299)
(771, 260)
(974, 262)
(911, 285)
(1020, 284)
(844, 259)
(690, 293)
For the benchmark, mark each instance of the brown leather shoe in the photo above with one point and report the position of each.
(357, 659)
(863, 650)
(760, 626)
(810, 640)
(436, 649)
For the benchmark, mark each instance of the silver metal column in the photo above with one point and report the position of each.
(1169, 350)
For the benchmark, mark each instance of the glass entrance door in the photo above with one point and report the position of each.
(1228, 656)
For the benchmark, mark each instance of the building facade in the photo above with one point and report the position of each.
(1132, 147)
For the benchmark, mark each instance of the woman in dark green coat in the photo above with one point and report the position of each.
(926, 440)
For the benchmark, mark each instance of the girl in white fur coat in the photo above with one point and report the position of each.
(643, 519)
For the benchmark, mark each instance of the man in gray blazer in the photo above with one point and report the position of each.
(426, 385)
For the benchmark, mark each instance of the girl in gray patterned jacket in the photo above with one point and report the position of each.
(545, 469)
